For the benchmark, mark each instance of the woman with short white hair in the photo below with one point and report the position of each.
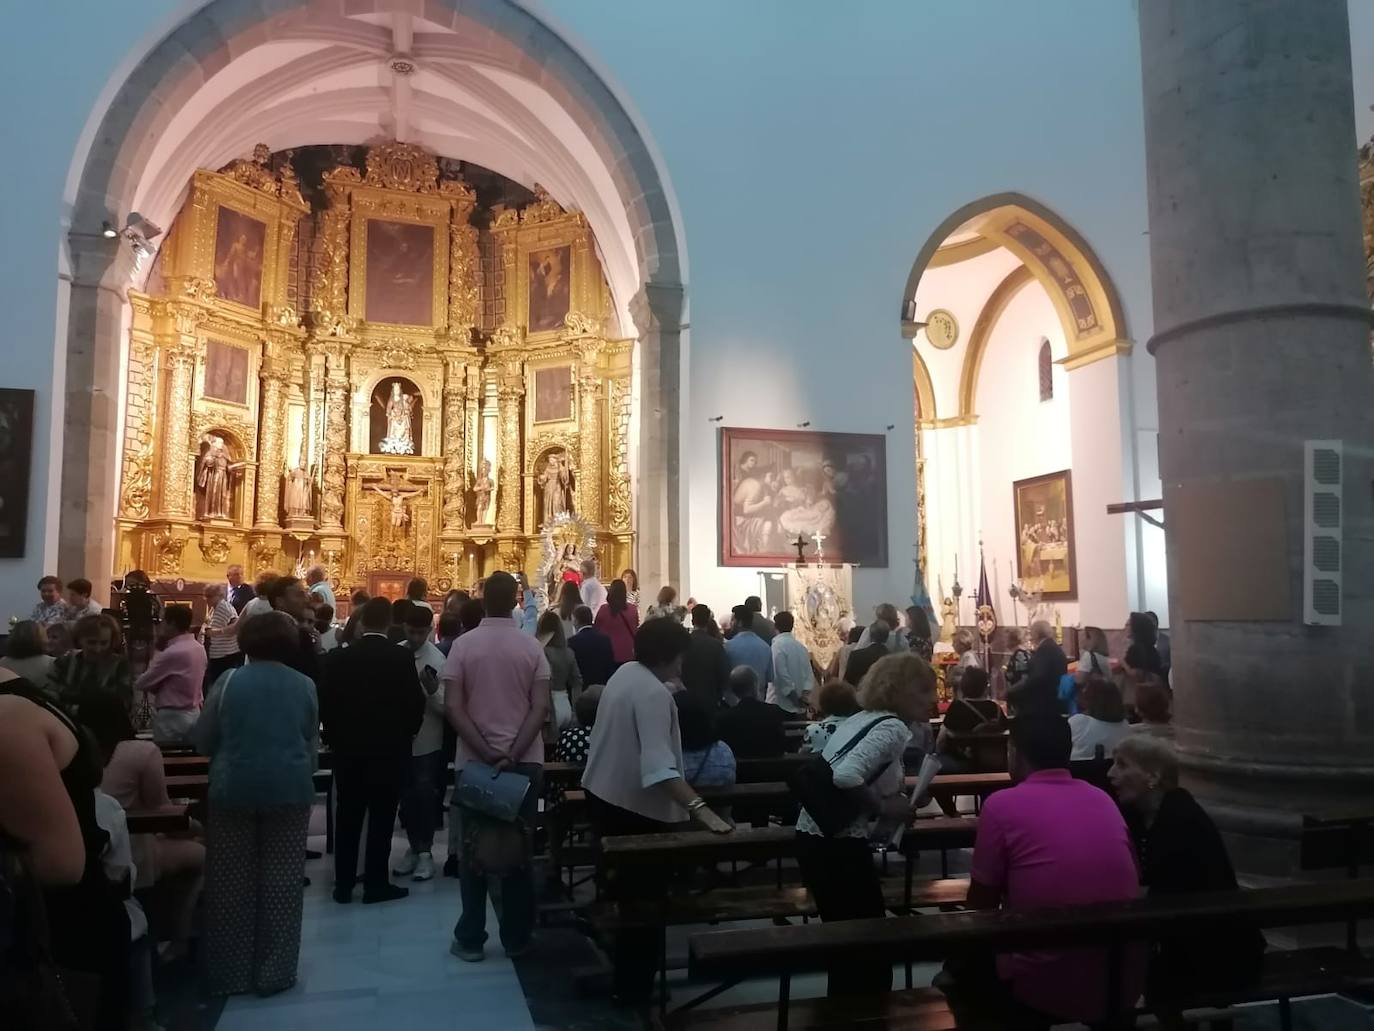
(1180, 851)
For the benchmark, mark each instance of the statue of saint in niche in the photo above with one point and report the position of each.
(483, 489)
(298, 493)
(556, 486)
(397, 408)
(212, 477)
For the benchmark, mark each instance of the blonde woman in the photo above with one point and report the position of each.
(865, 752)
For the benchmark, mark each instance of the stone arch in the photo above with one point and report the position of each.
(614, 175)
(1019, 278)
(1083, 294)
(925, 389)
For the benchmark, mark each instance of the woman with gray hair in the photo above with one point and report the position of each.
(1180, 851)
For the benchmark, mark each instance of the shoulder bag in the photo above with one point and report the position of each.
(813, 783)
(494, 837)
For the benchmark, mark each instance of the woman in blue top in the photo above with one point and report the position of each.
(260, 728)
(707, 761)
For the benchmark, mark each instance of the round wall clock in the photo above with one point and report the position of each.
(941, 329)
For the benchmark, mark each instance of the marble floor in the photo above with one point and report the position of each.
(363, 968)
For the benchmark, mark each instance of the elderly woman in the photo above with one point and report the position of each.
(1094, 659)
(1018, 663)
(260, 727)
(1180, 851)
(837, 701)
(1102, 721)
(636, 783)
(97, 665)
(865, 754)
(26, 653)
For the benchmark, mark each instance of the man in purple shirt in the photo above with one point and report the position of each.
(1049, 841)
(496, 693)
(175, 679)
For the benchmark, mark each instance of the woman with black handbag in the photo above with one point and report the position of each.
(857, 777)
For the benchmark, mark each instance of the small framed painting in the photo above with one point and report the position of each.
(226, 372)
(553, 394)
(16, 451)
(1045, 558)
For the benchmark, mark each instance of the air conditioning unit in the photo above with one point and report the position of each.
(1323, 476)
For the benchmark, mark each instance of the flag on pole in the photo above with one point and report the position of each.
(984, 595)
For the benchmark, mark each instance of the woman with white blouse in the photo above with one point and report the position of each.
(635, 785)
(838, 870)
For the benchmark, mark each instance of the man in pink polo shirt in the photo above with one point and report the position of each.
(496, 694)
(175, 679)
(1050, 841)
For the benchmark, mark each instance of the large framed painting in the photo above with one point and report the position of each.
(553, 394)
(400, 273)
(226, 372)
(550, 296)
(16, 450)
(780, 485)
(239, 243)
(1045, 558)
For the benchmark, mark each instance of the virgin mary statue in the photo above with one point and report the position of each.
(398, 439)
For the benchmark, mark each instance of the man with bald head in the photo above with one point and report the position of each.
(1038, 690)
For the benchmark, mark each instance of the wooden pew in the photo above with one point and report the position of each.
(185, 765)
(167, 820)
(729, 957)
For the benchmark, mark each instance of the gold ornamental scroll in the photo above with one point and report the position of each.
(178, 344)
(589, 432)
(140, 414)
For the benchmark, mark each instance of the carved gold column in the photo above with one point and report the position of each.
(335, 436)
(177, 346)
(510, 391)
(272, 436)
(589, 433)
(140, 414)
(454, 439)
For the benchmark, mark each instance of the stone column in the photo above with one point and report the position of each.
(589, 437)
(335, 437)
(509, 392)
(90, 418)
(1262, 342)
(271, 443)
(657, 312)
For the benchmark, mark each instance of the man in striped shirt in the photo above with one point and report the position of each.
(221, 632)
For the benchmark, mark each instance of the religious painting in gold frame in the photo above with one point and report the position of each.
(555, 394)
(410, 232)
(1045, 557)
(547, 254)
(240, 242)
(226, 372)
(549, 275)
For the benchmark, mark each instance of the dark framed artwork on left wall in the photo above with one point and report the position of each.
(16, 455)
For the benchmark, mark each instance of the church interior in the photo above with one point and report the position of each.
(713, 515)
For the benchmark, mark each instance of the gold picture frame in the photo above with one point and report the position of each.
(543, 244)
(374, 211)
(553, 394)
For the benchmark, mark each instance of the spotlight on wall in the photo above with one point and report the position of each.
(803, 425)
(108, 231)
(910, 325)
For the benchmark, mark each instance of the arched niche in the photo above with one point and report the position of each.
(237, 488)
(387, 391)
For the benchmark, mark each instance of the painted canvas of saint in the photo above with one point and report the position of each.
(553, 394)
(239, 241)
(226, 372)
(778, 486)
(550, 288)
(400, 273)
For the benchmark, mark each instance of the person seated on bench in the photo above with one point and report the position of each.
(1048, 841)
(709, 761)
(751, 727)
(635, 784)
(897, 690)
(1180, 851)
(838, 701)
(972, 710)
(1102, 721)
(1152, 705)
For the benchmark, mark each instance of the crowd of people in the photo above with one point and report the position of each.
(655, 705)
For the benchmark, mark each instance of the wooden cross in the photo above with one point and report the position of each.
(800, 545)
(396, 479)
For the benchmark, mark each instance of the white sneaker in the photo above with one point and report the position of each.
(424, 867)
(406, 865)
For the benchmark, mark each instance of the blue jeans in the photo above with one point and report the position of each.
(417, 800)
(516, 911)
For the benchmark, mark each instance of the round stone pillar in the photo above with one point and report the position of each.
(1261, 343)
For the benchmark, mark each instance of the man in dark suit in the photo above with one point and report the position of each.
(705, 667)
(238, 592)
(595, 658)
(371, 705)
(751, 727)
(1038, 690)
(862, 659)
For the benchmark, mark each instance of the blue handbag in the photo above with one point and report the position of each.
(495, 795)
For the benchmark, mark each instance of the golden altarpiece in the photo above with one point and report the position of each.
(371, 400)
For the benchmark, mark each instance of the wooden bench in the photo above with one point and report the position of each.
(1334, 840)
(167, 820)
(185, 765)
(729, 957)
